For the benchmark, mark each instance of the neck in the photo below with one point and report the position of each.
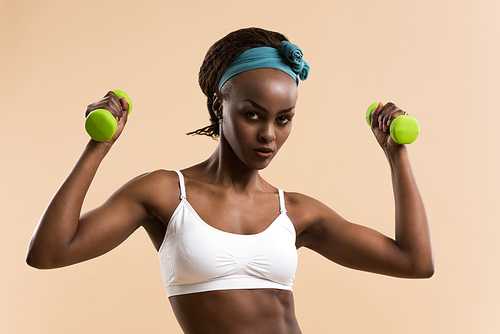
(226, 169)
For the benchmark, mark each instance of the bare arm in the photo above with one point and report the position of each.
(62, 237)
(359, 247)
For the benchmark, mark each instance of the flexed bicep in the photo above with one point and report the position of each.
(356, 246)
(63, 237)
(102, 229)
(353, 245)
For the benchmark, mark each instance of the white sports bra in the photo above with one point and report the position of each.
(196, 257)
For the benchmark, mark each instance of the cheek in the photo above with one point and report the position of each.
(234, 131)
(284, 134)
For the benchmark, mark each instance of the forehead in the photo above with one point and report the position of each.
(265, 85)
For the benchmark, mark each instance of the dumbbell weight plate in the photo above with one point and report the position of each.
(404, 129)
(101, 125)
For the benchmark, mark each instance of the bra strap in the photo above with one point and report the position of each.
(281, 195)
(181, 185)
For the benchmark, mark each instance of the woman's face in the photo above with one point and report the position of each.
(257, 114)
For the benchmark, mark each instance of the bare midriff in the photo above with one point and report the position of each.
(263, 311)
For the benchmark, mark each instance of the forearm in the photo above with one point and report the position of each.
(59, 222)
(413, 235)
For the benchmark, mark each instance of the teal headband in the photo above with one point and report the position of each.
(288, 58)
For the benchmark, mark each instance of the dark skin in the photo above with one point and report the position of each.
(257, 114)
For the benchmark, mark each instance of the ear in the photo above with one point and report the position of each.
(217, 106)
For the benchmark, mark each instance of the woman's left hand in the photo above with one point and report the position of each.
(382, 118)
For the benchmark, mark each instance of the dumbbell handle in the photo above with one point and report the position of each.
(404, 129)
(100, 124)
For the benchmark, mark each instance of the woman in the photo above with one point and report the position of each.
(226, 238)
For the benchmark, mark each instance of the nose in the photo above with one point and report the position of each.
(267, 132)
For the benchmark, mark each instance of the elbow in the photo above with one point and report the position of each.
(430, 270)
(424, 270)
(38, 260)
(33, 262)
(43, 256)
(425, 273)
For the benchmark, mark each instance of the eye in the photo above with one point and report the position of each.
(253, 116)
(283, 120)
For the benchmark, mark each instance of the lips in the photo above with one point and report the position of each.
(263, 152)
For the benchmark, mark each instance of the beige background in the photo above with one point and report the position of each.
(439, 60)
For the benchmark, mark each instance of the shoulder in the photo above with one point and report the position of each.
(160, 176)
(151, 185)
(155, 193)
(308, 213)
(303, 205)
(155, 178)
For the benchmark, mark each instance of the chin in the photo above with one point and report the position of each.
(260, 165)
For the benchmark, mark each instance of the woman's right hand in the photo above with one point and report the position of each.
(117, 107)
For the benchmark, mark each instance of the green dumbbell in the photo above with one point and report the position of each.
(100, 124)
(404, 129)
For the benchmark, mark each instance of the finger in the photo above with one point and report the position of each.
(121, 122)
(393, 113)
(124, 104)
(114, 101)
(389, 112)
(109, 102)
(375, 114)
(385, 116)
(377, 110)
(124, 115)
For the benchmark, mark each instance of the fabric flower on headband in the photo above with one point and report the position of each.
(287, 58)
(293, 55)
